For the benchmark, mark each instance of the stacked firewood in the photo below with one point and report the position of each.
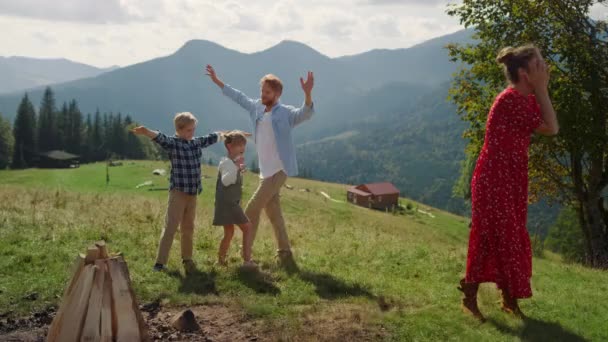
(98, 303)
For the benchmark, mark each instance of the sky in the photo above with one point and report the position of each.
(123, 32)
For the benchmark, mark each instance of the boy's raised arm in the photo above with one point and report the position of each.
(210, 139)
(235, 95)
(158, 137)
(142, 130)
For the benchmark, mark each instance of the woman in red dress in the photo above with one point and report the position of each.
(499, 244)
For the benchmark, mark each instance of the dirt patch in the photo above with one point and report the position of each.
(32, 328)
(217, 322)
(33, 335)
(335, 322)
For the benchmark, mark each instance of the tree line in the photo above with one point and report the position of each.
(94, 137)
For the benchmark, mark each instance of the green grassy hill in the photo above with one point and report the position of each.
(362, 274)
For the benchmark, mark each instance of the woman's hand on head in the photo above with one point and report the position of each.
(538, 74)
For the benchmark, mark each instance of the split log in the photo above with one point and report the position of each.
(103, 250)
(92, 255)
(90, 331)
(127, 328)
(76, 308)
(107, 320)
(76, 271)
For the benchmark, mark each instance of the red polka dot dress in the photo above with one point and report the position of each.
(499, 244)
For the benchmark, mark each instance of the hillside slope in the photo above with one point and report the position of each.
(362, 274)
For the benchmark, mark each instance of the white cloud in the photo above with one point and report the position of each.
(93, 12)
(128, 31)
(405, 2)
(338, 28)
(91, 41)
(44, 38)
(384, 26)
(286, 17)
(600, 11)
(248, 23)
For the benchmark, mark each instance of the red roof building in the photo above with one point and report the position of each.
(380, 196)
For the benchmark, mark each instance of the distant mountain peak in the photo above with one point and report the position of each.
(43, 60)
(293, 47)
(111, 68)
(293, 43)
(196, 47)
(199, 43)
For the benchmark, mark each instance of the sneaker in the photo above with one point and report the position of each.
(189, 266)
(159, 267)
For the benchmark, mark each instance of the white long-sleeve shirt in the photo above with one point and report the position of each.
(228, 171)
(268, 153)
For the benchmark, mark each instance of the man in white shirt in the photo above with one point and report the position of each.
(272, 124)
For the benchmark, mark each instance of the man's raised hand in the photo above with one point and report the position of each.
(209, 71)
(309, 83)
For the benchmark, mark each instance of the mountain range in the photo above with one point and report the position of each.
(20, 73)
(380, 115)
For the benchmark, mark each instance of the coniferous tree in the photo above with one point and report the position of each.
(97, 137)
(75, 136)
(87, 139)
(24, 132)
(6, 143)
(47, 127)
(63, 128)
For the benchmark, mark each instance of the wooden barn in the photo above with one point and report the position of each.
(379, 196)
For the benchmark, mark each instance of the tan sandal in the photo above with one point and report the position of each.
(510, 305)
(469, 302)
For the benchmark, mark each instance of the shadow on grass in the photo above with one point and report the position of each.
(326, 285)
(537, 330)
(329, 287)
(258, 281)
(197, 282)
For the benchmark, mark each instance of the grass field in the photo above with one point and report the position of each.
(362, 274)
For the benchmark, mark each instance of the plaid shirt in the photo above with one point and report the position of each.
(185, 158)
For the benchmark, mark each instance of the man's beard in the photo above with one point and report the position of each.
(268, 102)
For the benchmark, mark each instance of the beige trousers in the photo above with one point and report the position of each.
(267, 197)
(181, 211)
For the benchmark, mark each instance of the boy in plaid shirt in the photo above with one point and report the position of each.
(185, 152)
